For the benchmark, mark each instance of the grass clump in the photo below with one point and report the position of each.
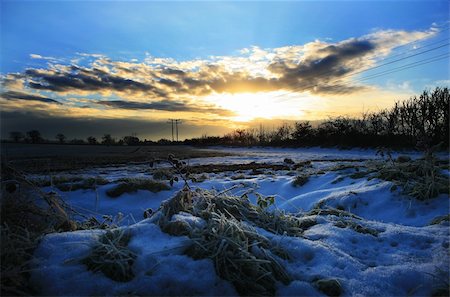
(162, 174)
(131, 185)
(329, 286)
(199, 178)
(89, 183)
(359, 174)
(421, 179)
(440, 219)
(288, 161)
(70, 183)
(17, 246)
(238, 176)
(112, 256)
(240, 255)
(24, 222)
(300, 180)
(356, 227)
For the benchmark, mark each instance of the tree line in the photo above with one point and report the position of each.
(419, 121)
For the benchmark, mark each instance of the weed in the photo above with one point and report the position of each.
(130, 185)
(264, 201)
(240, 255)
(89, 183)
(342, 166)
(300, 180)
(162, 174)
(199, 178)
(17, 247)
(330, 286)
(403, 159)
(359, 174)
(341, 223)
(288, 161)
(112, 256)
(237, 176)
(421, 179)
(23, 223)
(440, 219)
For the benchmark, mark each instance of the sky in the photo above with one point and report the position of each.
(85, 68)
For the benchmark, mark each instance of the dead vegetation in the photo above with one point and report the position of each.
(27, 214)
(300, 180)
(112, 256)
(67, 183)
(256, 167)
(240, 254)
(131, 185)
(421, 178)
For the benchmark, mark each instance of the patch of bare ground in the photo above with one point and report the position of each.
(38, 158)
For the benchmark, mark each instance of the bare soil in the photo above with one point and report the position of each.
(38, 158)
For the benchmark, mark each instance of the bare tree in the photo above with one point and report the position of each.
(61, 138)
(108, 140)
(34, 136)
(92, 140)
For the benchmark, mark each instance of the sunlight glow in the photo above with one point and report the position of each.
(249, 106)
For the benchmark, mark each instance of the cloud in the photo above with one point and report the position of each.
(39, 57)
(12, 95)
(82, 79)
(166, 105)
(157, 87)
(320, 67)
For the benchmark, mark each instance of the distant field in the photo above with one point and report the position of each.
(55, 157)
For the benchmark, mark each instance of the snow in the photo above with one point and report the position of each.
(160, 268)
(407, 257)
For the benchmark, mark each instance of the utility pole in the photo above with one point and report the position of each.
(176, 121)
(171, 121)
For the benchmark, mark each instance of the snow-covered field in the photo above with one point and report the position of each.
(402, 255)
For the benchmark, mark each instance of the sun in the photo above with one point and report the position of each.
(250, 106)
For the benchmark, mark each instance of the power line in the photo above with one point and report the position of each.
(401, 59)
(417, 48)
(407, 66)
(304, 88)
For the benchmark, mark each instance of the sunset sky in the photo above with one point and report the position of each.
(122, 67)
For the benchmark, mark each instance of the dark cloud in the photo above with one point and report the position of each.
(11, 95)
(83, 79)
(165, 105)
(320, 71)
(159, 105)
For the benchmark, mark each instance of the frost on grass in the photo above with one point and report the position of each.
(130, 185)
(112, 257)
(421, 179)
(240, 254)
